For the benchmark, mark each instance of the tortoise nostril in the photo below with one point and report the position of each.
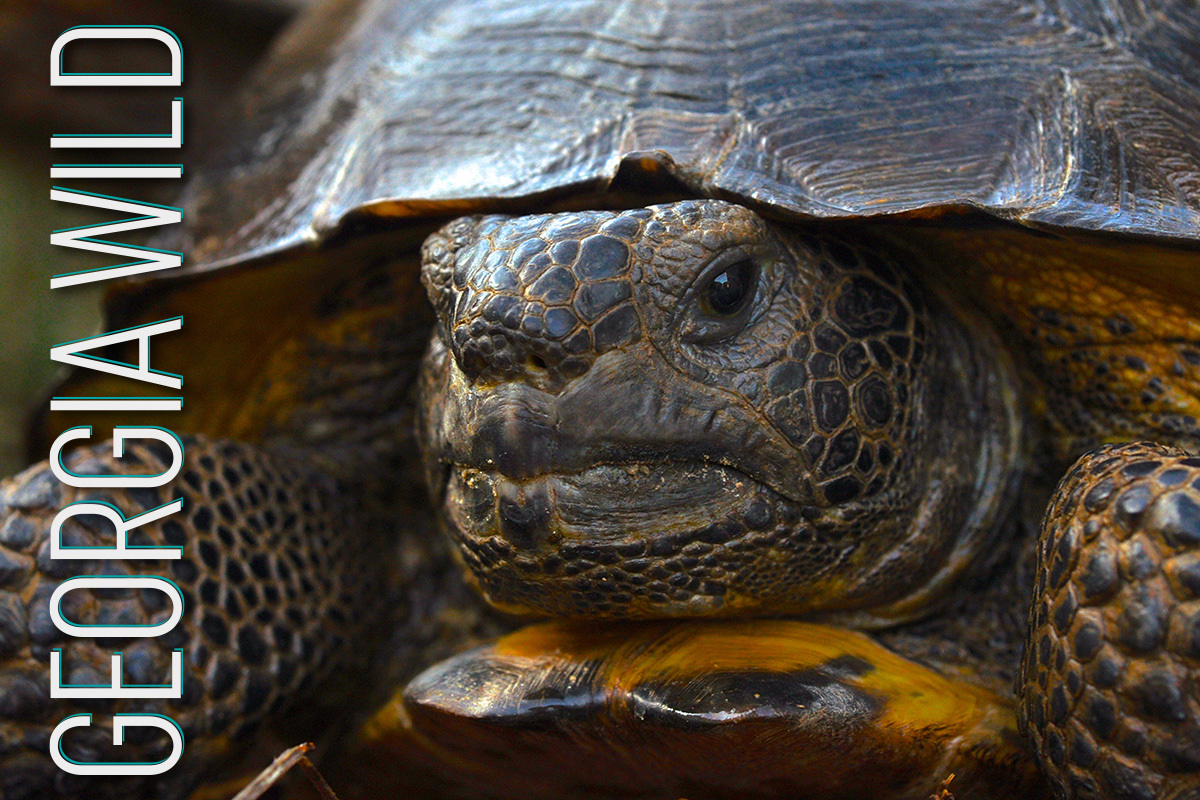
(538, 363)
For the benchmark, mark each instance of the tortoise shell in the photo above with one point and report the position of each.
(1079, 114)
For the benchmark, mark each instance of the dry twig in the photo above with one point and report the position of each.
(280, 766)
(943, 792)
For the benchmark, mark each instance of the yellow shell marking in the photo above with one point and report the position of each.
(474, 731)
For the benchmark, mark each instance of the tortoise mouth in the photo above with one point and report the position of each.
(631, 540)
(599, 502)
(614, 416)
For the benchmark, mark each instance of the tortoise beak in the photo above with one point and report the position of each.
(619, 412)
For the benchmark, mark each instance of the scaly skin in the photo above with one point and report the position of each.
(1108, 336)
(1108, 691)
(278, 579)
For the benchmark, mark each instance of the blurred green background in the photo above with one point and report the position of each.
(32, 318)
(222, 40)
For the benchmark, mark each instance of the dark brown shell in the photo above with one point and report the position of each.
(1077, 114)
(1067, 113)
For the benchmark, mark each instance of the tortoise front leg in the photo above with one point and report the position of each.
(279, 581)
(1110, 697)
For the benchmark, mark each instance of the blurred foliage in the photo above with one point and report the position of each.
(32, 317)
(222, 40)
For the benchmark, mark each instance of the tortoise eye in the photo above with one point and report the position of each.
(727, 293)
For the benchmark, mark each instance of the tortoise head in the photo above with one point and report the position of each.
(685, 410)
